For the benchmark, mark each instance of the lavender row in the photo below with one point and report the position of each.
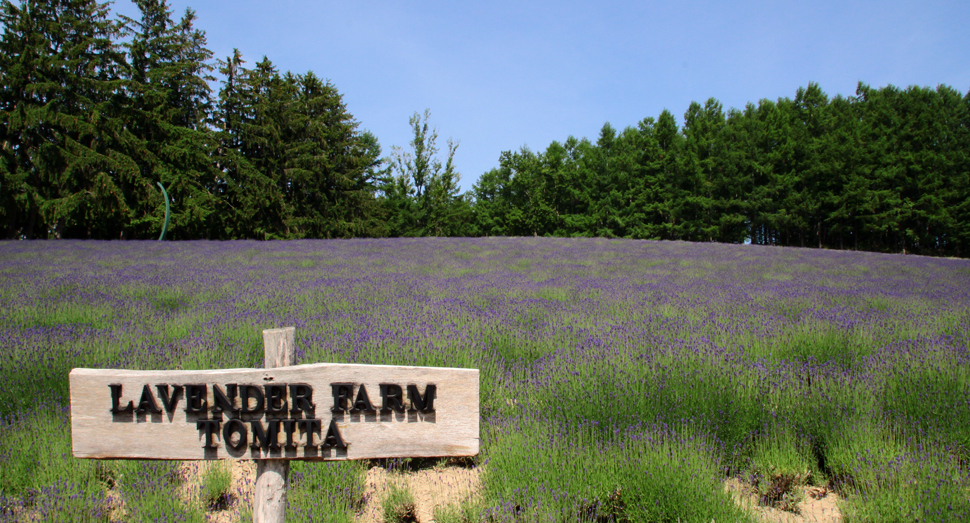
(754, 348)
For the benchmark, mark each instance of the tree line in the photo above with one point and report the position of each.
(884, 170)
(95, 111)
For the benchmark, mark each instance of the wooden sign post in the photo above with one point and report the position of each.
(323, 411)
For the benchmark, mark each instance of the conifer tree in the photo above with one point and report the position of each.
(66, 150)
(170, 108)
(696, 204)
(329, 166)
(249, 202)
(732, 184)
(670, 142)
(648, 199)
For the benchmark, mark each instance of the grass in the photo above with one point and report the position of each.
(398, 504)
(463, 512)
(896, 475)
(325, 492)
(621, 380)
(558, 472)
(150, 492)
(217, 486)
(782, 460)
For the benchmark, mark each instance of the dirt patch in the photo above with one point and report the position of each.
(239, 500)
(815, 505)
(431, 488)
(442, 486)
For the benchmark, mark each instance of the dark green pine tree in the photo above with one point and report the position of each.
(883, 226)
(761, 143)
(778, 192)
(66, 150)
(170, 109)
(813, 196)
(842, 160)
(928, 136)
(696, 202)
(329, 170)
(374, 215)
(554, 164)
(250, 204)
(647, 205)
(668, 195)
(885, 170)
(736, 167)
(530, 211)
(267, 96)
(569, 191)
(581, 176)
(492, 202)
(606, 181)
(957, 239)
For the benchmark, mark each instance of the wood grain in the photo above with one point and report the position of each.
(451, 430)
(279, 347)
(273, 475)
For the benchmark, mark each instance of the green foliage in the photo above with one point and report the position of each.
(150, 491)
(552, 472)
(87, 130)
(216, 483)
(66, 150)
(37, 453)
(420, 193)
(781, 462)
(325, 491)
(883, 170)
(895, 475)
(464, 512)
(931, 393)
(398, 504)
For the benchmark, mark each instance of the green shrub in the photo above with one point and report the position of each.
(325, 491)
(398, 505)
(541, 471)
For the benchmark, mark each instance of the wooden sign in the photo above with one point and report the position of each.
(323, 411)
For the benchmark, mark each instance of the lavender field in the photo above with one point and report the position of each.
(621, 380)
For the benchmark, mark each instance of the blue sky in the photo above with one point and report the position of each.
(500, 75)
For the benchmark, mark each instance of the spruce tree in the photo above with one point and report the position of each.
(670, 142)
(696, 203)
(648, 197)
(249, 204)
(329, 166)
(170, 108)
(66, 148)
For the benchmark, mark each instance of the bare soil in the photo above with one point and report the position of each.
(815, 505)
(240, 494)
(431, 488)
(450, 485)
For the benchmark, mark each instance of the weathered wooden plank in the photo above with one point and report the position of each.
(272, 480)
(279, 347)
(273, 475)
(168, 429)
